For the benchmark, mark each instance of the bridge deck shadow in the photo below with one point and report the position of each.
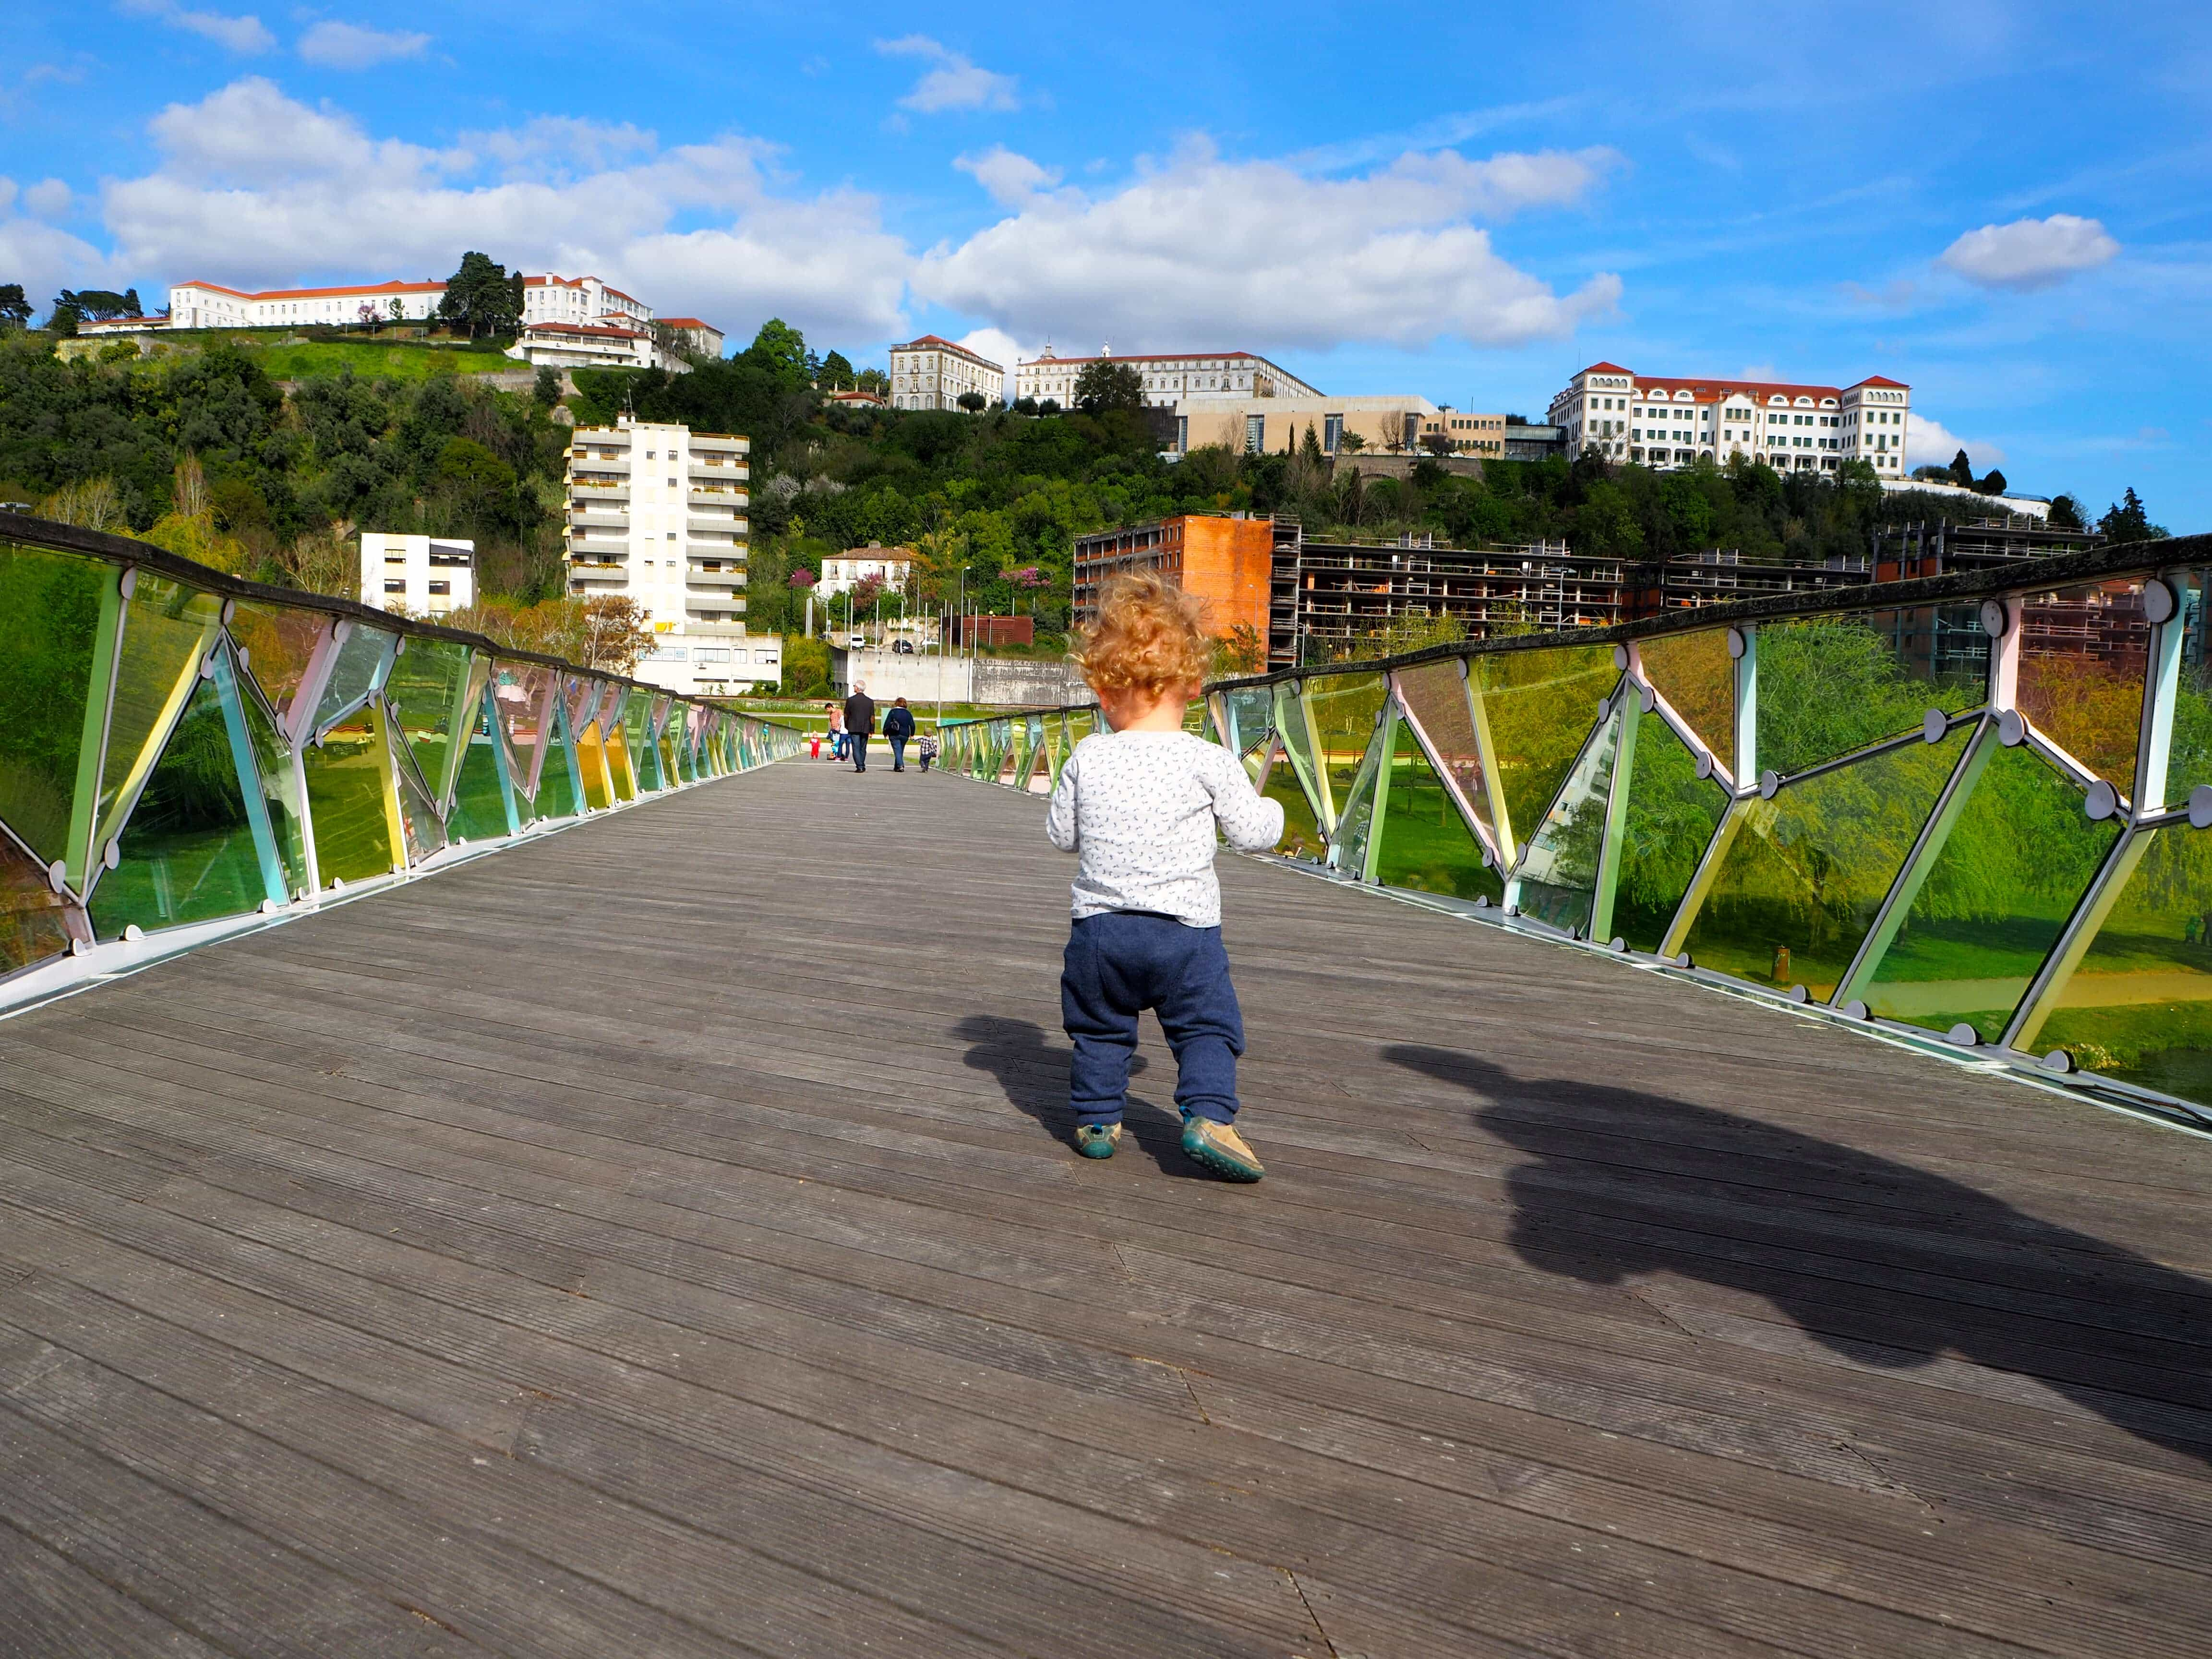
(665, 1239)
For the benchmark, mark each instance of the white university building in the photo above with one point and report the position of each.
(421, 575)
(1671, 421)
(935, 374)
(658, 515)
(1168, 380)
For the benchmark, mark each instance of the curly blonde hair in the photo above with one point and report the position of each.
(1149, 635)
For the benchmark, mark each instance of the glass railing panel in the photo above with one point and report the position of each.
(592, 762)
(58, 615)
(426, 692)
(2139, 1005)
(351, 808)
(1557, 875)
(1804, 874)
(2019, 856)
(166, 630)
(1344, 707)
(420, 823)
(33, 918)
(1540, 706)
(276, 642)
(1425, 844)
(479, 811)
(1297, 738)
(1302, 834)
(2084, 652)
(1695, 675)
(187, 852)
(1435, 695)
(1829, 686)
(556, 778)
(2189, 764)
(361, 657)
(1355, 811)
(1671, 816)
(1251, 718)
(280, 793)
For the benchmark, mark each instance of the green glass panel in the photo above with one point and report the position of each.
(279, 793)
(2020, 855)
(1302, 834)
(519, 698)
(1558, 872)
(2139, 1005)
(362, 655)
(479, 804)
(427, 691)
(1296, 737)
(637, 730)
(1251, 718)
(592, 762)
(349, 785)
(276, 642)
(167, 630)
(1831, 685)
(2188, 763)
(1355, 809)
(33, 918)
(423, 830)
(619, 765)
(187, 853)
(1435, 695)
(1695, 675)
(556, 784)
(1343, 709)
(1672, 814)
(1427, 845)
(50, 635)
(2084, 654)
(1804, 873)
(1539, 706)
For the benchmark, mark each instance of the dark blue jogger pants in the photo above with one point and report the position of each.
(1123, 961)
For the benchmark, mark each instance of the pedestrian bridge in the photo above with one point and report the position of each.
(661, 1238)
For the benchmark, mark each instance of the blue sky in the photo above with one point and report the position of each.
(2005, 206)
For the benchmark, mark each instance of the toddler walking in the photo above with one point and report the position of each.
(1138, 806)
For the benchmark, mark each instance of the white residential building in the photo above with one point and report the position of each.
(593, 345)
(422, 575)
(210, 305)
(694, 335)
(580, 300)
(935, 374)
(841, 572)
(1669, 421)
(658, 515)
(1168, 380)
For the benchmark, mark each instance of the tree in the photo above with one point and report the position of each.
(14, 309)
(547, 392)
(63, 318)
(1049, 406)
(836, 373)
(873, 379)
(1992, 482)
(2127, 521)
(1962, 471)
(1437, 443)
(1103, 385)
(781, 348)
(2065, 514)
(615, 633)
(1025, 405)
(973, 402)
(480, 298)
(1350, 442)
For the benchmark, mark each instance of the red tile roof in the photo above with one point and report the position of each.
(1603, 368)
(688, 322)
(395, 286)
(1150, 357)
(557, 327)
(1882, 380)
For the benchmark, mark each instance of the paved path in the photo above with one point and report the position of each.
(662, 1241)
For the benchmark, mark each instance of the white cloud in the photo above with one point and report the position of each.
(1011, 180)
(997, 346)
(246, 35)
(2030, 253)
(1928, 443)
(1254, 250)
(49, 198)
(350, 46)
(955, 82)
(256, 189)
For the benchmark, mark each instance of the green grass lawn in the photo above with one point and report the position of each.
(284, 358)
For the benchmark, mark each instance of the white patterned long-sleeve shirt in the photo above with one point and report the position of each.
(1139, 809)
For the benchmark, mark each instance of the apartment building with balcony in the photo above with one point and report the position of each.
(551, 299)
(1673, 421)
(930, 373)
(658, 515)
(1169, 378)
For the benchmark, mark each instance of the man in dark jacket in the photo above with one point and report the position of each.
(860, 724)
(898, 726)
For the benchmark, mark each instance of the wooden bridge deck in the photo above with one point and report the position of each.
(663, 1241)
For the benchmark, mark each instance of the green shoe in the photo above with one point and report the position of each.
(1220, 1148)
(1097, 1139)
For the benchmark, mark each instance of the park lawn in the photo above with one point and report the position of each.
(379, 360)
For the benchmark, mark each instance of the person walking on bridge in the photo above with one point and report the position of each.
(898, 726)
(860, 724)
(1138, 804)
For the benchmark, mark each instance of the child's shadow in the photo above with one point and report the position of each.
(1033, 1073)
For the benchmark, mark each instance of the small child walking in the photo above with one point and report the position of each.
(1137, 805)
